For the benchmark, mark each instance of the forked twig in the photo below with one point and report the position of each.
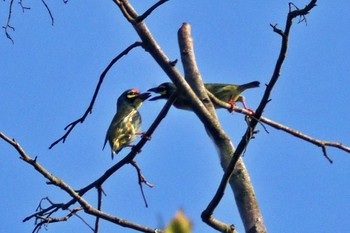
(8, 26)
(20, 2)
(46, 220)
(141, 180)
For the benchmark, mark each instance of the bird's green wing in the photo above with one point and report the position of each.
(223, 91)
(117, 119)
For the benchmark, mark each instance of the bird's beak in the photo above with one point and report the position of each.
(156, 90)
(157, 98)
(144, 96)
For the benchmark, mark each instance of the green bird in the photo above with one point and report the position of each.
(230, 93)
(126, 123)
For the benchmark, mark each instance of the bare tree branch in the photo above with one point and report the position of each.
(193, 77)
(9, 17)
(254, 121)
(49, 11)
(141, 180)
(150, 10)
(320, 143)
(193, 88)
(286, 129)
(99, 207)
(45, 211)
(22, 6)
(47, 220)
(77, 197)
(7, 25)
(167, 65)
(88, 111)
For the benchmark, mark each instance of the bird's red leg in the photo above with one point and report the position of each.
(242, 99)
(232, 103)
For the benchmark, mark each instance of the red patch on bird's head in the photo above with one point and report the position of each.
(135, 91)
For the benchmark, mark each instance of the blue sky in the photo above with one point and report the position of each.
(49, 75)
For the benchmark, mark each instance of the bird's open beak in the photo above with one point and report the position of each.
(144, 96)
(159, 97)
(156, 90)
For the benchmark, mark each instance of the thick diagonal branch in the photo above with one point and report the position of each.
(242, 187)
(77, 197)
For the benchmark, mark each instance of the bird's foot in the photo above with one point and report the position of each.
(250, 110)
(233, 105)
(246, 107)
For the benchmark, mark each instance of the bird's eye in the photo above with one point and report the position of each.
(162, 90)
(132, 94)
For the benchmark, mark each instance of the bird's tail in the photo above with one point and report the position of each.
(249, 85)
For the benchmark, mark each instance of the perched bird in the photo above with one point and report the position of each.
(230, 93)
(126, 123)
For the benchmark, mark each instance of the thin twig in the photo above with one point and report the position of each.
(279, 126)
(99, 207)
(49, 11)
(20, 2)
(46, 211)
(321, 143)
(150, 10)
(141, 180)
(22, 6)
(46, 220)
(43, 217)
(88, 111)
(74, 212)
